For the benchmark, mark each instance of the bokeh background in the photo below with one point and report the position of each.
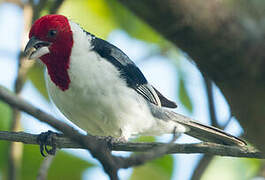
(167, 68)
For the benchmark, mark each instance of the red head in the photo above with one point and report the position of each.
(52, 40)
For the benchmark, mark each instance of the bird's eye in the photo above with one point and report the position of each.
(52, 33)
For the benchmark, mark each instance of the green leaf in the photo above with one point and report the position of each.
(64, 165)
(93, 16)
(183, 95)
(157, 169)
(36, 75)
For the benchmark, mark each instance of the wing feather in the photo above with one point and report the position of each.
(129, 71)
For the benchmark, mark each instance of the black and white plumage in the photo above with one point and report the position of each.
(96, 86)
(130, 72)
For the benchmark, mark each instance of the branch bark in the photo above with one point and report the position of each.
(226, 41)
(205, 148)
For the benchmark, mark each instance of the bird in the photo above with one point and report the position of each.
(101, 90)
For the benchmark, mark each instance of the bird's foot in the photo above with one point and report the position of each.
(47, 138)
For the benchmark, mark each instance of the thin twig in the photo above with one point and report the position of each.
(210, 98)
(43, 171)
(151, 154)
(201, 167)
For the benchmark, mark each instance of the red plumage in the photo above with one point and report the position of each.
(57, 61)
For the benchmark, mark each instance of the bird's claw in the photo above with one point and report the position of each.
(47, 138)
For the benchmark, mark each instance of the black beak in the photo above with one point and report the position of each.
(33, 45)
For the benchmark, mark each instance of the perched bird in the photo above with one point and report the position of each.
(96, 86)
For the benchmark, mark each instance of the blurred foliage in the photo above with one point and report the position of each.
(64, 165)
(161, 168)
(183, 94)
(232, 168)
(5, 116)
(132, 24)
(174, 54)
(93, 16)
(36, 75)
(103, 16)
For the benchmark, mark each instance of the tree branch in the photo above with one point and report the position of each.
(205, 148)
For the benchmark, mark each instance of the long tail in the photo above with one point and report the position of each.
(211, 134)
(200, 131)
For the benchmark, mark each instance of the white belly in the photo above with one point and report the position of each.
(99, 102)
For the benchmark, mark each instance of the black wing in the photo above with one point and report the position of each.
(130, 72)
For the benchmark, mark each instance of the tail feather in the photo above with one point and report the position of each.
(196, 129)
(211, 134)
(205, 132)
